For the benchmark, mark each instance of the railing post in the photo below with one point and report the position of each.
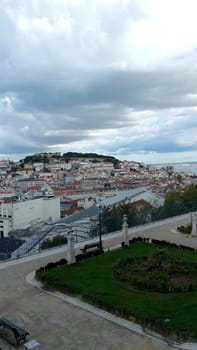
(70, 248)
(125, 231)
(100, 229)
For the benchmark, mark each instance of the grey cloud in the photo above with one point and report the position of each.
(63, 86)
(35, 52)
(138, 90)
(152, 145)
(104, 105)
(144, 90)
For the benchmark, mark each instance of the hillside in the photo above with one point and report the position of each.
(93, 157)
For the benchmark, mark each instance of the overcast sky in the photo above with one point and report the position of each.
(114, 77)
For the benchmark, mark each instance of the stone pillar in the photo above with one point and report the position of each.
(190, 218)
(194, 224)
(125, 236)
(70, 248)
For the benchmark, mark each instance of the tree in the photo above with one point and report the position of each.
(173, 197)
(177, 202)
(179, 178)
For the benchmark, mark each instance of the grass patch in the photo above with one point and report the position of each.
(93, 279)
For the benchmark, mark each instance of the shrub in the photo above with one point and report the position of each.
(56, 241)
(50, 266)
(185, 229)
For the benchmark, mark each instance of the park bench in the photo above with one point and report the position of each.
(19, 333)
(90, 246)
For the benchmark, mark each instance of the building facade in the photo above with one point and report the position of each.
(25, 214)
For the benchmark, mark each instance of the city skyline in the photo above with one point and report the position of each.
(114, 78)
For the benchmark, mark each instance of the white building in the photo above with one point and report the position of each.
(25, 214)
(38, 166)
(130, 196)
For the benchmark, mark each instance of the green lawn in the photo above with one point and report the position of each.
(93, 280)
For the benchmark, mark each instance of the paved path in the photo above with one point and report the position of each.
(57, 324)
(4, 345)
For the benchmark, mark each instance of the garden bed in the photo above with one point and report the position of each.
(96, 281)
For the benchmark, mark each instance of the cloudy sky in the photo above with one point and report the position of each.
(116, 77)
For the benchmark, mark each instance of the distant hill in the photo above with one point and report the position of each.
(93, 157)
